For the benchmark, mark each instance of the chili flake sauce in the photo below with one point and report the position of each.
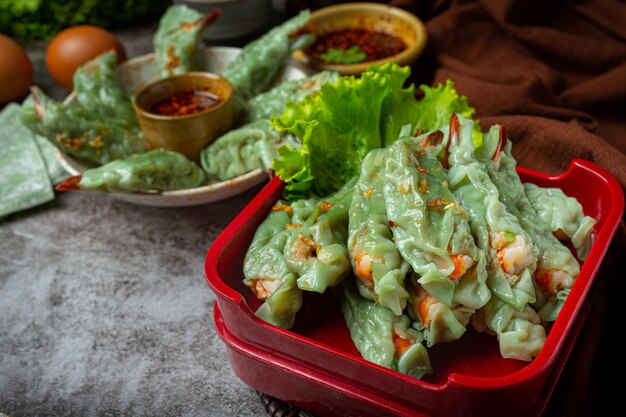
(186, 102)
(354, 46)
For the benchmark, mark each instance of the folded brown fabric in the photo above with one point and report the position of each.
(553, 72)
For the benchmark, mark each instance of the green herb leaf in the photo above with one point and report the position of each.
(337, 127)
(346, 119)
(42, 19)
(509, 236)
(438, 105)
(400, 105)
(352, 55)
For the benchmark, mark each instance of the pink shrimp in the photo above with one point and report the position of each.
(425, 302)
(553, 280)
(462, 263)
(363, 268)
(264, 287)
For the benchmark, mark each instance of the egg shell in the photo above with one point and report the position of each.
(74, 46)
(16, 70)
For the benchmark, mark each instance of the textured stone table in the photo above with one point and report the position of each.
(104, 309)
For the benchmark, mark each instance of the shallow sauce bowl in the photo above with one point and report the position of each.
(186, 133)
(370, 16)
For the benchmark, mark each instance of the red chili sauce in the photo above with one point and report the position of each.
(186, 102)
(375, 45)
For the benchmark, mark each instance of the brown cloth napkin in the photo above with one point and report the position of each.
(554, 74)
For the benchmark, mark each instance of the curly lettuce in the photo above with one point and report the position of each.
(346, 119)
(337, 127)
(438, 105)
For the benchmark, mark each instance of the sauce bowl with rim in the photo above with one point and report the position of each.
(373, 17)
(185, 133)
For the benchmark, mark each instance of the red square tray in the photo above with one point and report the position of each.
(316, 366)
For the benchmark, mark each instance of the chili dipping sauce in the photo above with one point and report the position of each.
(372, 45)
(186, 102)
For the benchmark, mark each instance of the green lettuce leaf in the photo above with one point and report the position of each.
(340, 124)
(438, 105)
(337, 127)
(400, 106)
(295, 170)
(344, 56)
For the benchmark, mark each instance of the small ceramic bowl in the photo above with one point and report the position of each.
(185, 133)
(374, 17)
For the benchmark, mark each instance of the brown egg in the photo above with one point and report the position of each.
(74, 46)
(16, 71)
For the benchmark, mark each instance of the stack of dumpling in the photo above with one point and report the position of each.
(434, 233)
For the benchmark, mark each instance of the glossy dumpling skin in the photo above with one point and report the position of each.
(244, 149)
(376, 263)
(254, 69)
(565, 216)
(177, 37)
(156, 170)
(265, 267)
(254, 145)
(430, 228)
(520, 333)
(85, 135)
(382, 337)
(511, 253)
(557, 268)
(274, 101)
(96, 90)
(316, 250)
(438, 322)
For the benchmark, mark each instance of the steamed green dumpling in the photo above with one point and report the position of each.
(85, 135)
(97, 91)
(253, 70)
(564, 215)
(177, 38)
(249, 147)
(156, 170)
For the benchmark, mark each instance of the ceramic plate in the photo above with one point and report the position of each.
(138, 71)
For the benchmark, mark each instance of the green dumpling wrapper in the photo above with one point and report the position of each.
(274, 101)
(265, 268)
(375, 330)
(96, 90)
(85, 135)
(430, 227)
(511, 253)
(557, 268)
(156, 170)
(24, 181)
(316, 251)
(244, 149)
(376, 262)
(254, 69)
(177, 37)
(565, 216)
(438, 322)
(520, 333)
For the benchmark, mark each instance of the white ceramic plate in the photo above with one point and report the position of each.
(135, 72)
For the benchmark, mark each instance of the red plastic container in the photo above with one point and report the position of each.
(316, 366)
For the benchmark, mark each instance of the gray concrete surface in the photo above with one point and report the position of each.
(104, 309)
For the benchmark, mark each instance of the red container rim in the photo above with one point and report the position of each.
(560, 330)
